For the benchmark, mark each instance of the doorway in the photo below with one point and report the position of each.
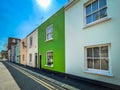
(40, 60)
(36, 60)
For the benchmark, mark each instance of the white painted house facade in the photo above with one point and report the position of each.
(92, 44)
(32, 49)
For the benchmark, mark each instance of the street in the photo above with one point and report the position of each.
(28, 81)
(28, 78)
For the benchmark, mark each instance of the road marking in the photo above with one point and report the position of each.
(46, 85)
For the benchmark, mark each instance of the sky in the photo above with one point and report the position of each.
(20, 17)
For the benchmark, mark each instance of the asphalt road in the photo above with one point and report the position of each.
(27, 81)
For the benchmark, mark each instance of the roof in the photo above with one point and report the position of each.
(32, 31)
(70, 4)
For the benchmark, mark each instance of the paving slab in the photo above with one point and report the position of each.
(7, 82)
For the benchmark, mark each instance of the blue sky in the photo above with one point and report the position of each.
(19, 17)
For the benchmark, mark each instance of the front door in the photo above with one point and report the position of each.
(40, 60)
(36, 60)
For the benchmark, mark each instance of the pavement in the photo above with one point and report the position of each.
(7, 82)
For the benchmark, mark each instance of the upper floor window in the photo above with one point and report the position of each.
(13, 40)
(49, 32)
(31, 41)
(96, 10)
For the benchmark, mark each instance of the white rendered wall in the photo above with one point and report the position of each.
(32, 50)
(77, 37)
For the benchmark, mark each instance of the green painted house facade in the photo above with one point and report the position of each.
(51, 43)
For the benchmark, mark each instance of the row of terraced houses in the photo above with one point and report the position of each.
(80, 40)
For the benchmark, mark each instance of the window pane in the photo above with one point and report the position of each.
(96, 63)
(95, 6)
(103, 13)
(23, 57)
(89, 52)
(49, 58)
(49, 32)
(95, 16)
(89, 19)
(102, 3)
(96, 51)
(48, 36)
(30, 57)
(13, 40)
(30, 41)
(104, 64)
(88, 9)
(104, 51)
(90, 63)
(51, 29)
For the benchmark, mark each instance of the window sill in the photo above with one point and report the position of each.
(49, 65)
(96, 22)
(49, 40)
(99, 72)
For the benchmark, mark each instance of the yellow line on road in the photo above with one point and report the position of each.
(38, 80)
(46, 85)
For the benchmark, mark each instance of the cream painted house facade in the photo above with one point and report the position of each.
(32, 49)
(92, 44)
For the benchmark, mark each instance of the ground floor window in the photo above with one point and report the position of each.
(97, 57)
(23, 57)
(49, 60)
(30, 57)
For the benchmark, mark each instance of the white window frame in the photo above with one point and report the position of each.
(98, 71)
(107, 18)
(49, 33)
(47, 59)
